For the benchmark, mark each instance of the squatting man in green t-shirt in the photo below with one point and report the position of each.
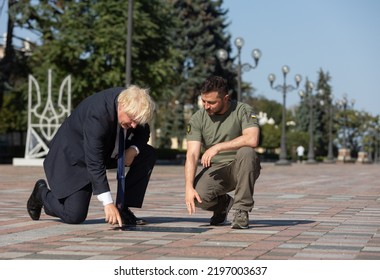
(228, 131)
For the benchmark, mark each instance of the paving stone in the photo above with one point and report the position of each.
(302, 212)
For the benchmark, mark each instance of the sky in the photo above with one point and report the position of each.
(341, 37)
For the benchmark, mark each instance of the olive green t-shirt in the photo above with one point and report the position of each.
(211, 130)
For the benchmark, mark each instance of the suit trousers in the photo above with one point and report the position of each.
(240, 175)
(74, 208)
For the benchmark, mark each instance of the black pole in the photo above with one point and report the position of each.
(239, 75)
(310, 154)
(330, 154)
(129, 44)
(283, 155)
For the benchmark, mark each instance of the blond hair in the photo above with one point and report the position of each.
(137, 104)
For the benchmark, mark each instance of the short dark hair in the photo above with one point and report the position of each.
(215, 83)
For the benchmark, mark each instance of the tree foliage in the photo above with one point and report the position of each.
(198, 35)
(87, 39)
(174, 49)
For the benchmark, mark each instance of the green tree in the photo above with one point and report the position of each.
(360, 130)
(321, 100)
(270, 136)
(13, 74)
(270, 133)
(324, 109)
(199, 34)
(87, 39)
(272, 108)
(294, 138)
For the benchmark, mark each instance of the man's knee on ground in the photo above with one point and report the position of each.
(148, 153)
(75, 219)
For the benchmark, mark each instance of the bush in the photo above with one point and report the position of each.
(169, 154)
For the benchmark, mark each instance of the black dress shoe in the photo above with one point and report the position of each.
(34, 204)
(128, 218)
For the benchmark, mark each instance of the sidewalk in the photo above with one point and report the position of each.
(323, 211)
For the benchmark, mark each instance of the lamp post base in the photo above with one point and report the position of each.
(327, 160)
(344, 155)
(283, 162)
(311, 161)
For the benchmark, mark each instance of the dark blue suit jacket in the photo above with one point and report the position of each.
(83, 145)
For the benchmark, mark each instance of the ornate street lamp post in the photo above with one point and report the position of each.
(284, 88)
(309, 97)
(256, 54)
(344, 153)
(377, 139)
(373, 139)
(128, 58)
(370, 144)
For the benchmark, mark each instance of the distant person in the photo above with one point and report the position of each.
(300, 153)
(228, 131)
(82, 149)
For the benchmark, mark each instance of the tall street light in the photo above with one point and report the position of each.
(128, 57)
(370, 144)
(345, 153)
(284, 88)
(308, 95)
(256, 54)
(372, 129)
(329, 108)
(377, 140)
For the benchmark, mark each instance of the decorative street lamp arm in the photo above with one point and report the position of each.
(281, 88)
(247, 67)
(290, 88)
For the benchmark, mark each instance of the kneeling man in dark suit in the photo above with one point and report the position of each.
(85, 145)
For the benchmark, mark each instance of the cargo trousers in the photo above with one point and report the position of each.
(240, 175)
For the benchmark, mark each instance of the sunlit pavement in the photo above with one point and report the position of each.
(322, 211)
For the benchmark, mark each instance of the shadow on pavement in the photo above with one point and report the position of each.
(161, 220)
(276, 223)
(204, 224)
(163, 229)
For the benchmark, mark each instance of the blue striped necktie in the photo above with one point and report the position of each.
(120, 171)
